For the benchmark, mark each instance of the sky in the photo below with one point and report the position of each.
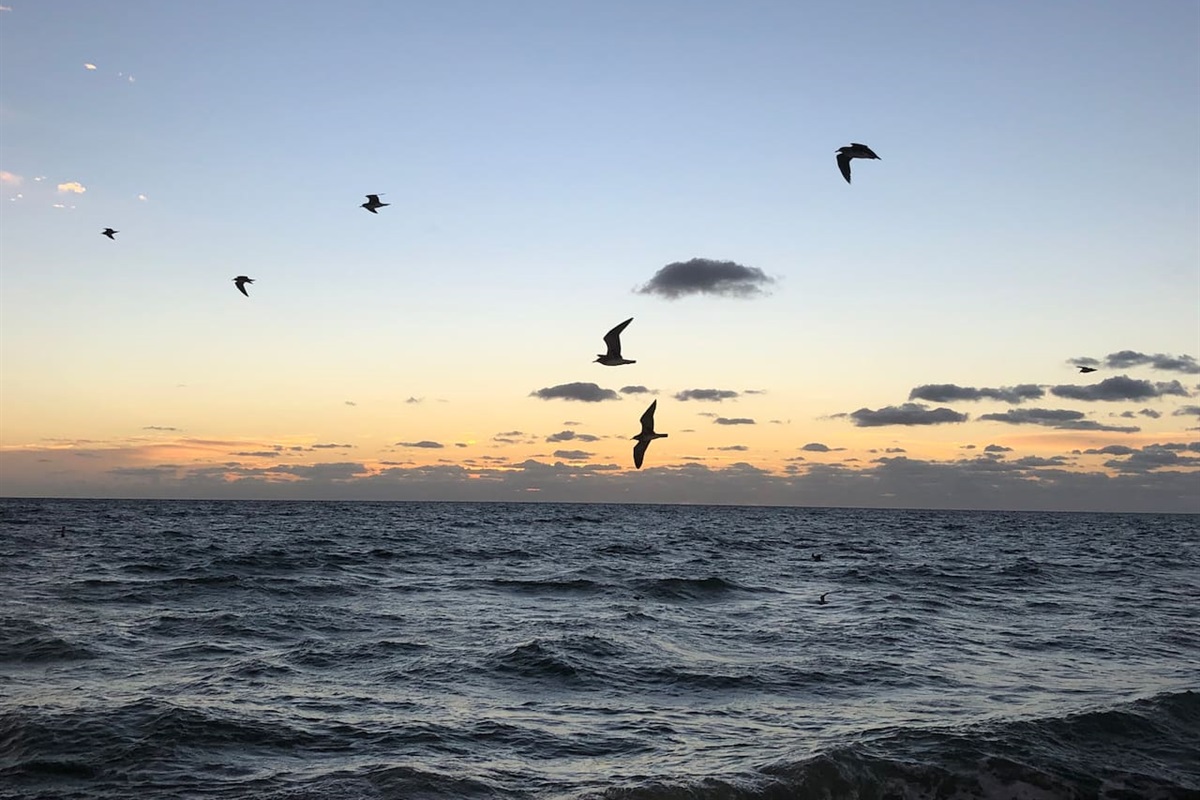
(911, 339)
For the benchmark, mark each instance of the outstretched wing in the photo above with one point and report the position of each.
(373, 199)
(844, 165)
(639, 453)
(612, 339)
(648, 418)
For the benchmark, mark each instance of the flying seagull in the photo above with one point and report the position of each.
(1086, 370)
(373, 203)
(646, 436)
(613, 339)
(110, 233)
(855, 150)
(241, 281)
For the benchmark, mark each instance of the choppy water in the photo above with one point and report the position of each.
(441, 650)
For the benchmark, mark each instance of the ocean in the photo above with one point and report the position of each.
(185, 649)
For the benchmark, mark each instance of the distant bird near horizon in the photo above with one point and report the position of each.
(612, 340)
(241, 281)
(373, 203)
(110, 233)
(854, 150)
(646, 436)
(1087, 369)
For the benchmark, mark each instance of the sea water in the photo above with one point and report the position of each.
(180, 649)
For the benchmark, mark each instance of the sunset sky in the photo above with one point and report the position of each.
(908, 340)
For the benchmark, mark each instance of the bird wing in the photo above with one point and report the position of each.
(844, 165)
(613, 338)
(639, 453)
(648, 418)
(863, 150)
(242, 288)
(373, 199)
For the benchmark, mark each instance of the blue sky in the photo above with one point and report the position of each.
(1037, 200)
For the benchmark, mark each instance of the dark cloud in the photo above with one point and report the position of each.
(351, 403)
(816, 447)
(583, 392)
(997, 448)
(567, 436)
(636, 390)
(1110, 450)
(332, 447)
(888, 450)
(949, 393)
(1145, 412)
(712, 395)
(1153, 457)
(256, 454)
(706, 276)
(1162, 361)
(733, 421)
(968, 447)
(415, 400)
(740, 448)
(1038, 461)
(754, 391)
(1117, 388)
(424, 443)
(905, 414)
(1083, 361)
(572, 455)
(461, 444)
(159, 428)
(1060, 418)
(1186, 411)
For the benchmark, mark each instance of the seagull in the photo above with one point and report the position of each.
(241, 281)
(823, 601)
(1086, 370)
(373, 203)
(855, 150)
(110, 233)
(613, 339)
(646, 436)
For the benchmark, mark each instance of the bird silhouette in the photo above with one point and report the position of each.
(241, 281)
(613, 340)
(373, 203)
(1086, 370)
(823, 601)
(855, 150)
(646, 436)
(110, 233)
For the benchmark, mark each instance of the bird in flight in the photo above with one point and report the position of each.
(373, 203)
(110, 233)
(613, 340)
(646, 436)
(855, 150)
(1086, 370)
(241, 281)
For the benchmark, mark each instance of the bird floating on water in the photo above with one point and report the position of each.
(1086, 370)
(373, 203)
(613, 340)
(110, 233)
(854, 150)
(241, 281)
(823, 601)
(646, 436)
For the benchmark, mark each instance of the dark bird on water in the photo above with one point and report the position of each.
(241, 281)
(817, 557)
(823, 601)
(646, 436)
(110, 233)
(373, 203)
(1086, 370)
(613, 340)
(855, 150)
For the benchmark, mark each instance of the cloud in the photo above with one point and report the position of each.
(997, 448)
(948, 393)
(583, 392)
(572, 455)
(733, 421)
(1111, 450)
(1060, 418)
(75, 187)
(424, 443)
(739, 448)
(906, 414)
(1186, 411)
(89, 67)
(10, 179)
(567, 436)
(141, 197)
(1153, 457)
(706, 276)
(816, 447)
(415, 400)
(159, 428)
(351, 403)
(711, 395)
(1162, 361)
(636, 390)
(1117, 388)
(333, 447)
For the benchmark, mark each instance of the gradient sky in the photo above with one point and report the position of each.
(1037, 202)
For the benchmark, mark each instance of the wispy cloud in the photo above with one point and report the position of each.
(1060, 418)
(159, 428)
(904, 414)
(1186, 411)
(709, 395)
(948, 393)
(10, 179)
(572, 455)
(568, 436)
(89, 67)
(733, 421)
(636, 390)
(141, 197)
(706, 276)
(1118, 388)
(423, 444)
(73, 187)
(1131, 358)
(583, 392)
